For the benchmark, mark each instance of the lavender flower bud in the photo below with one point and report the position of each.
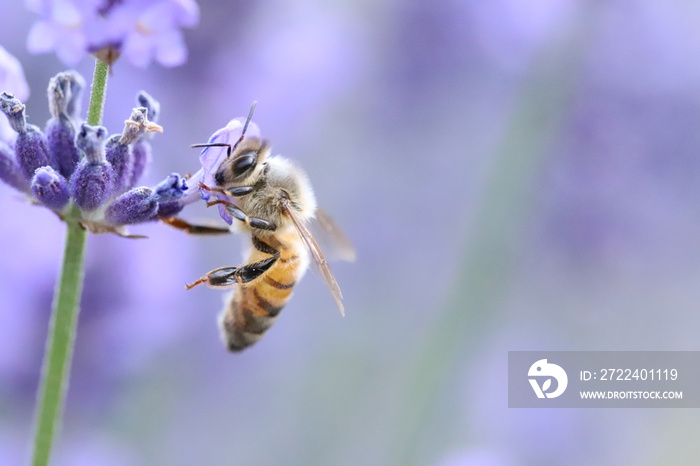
(65, 92)
(169, 194)
(77, 84)
(10, 172)
(141, 153)
(170, 209)
(141, 149)
(50, 188)
(170, 189)
(145, 100)
(60, 136)
(91, 140)
(121, 158)
(31, 148)
(60, 129)
(14, 110)
(92, 184)
(137, 125)
(135, 206)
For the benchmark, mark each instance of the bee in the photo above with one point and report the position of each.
(271, 199)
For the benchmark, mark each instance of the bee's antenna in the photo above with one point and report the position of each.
(229, 147)
(245, 126)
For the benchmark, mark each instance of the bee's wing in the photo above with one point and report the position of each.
(340, 245)
(317, 255)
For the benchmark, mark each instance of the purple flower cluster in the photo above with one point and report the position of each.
(140, 30)
(71, 163)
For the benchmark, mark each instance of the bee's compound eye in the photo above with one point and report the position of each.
(219, 178)
(243, 164)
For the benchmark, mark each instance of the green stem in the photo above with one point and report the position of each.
(97, 93)
(64, 316)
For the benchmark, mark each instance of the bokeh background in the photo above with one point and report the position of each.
(515, 175)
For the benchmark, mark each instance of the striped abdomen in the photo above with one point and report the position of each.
(254, 306)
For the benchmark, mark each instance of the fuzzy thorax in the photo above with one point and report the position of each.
(280, 177)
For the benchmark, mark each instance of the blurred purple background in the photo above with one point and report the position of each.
(514, 175)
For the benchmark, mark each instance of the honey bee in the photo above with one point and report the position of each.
(272, 200)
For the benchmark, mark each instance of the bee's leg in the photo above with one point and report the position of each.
(224, 277)
(254, 222)
(192, 229)
(238, 191)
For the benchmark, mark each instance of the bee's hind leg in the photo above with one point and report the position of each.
(193, 229)
(224, 277)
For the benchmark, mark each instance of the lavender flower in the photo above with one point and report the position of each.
(89, 171)
(211, 158)
(140, 30)
(12, 81)
(115, 308)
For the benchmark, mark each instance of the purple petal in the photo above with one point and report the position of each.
(66, 14)
(72, 49)
(186, 12)
(223, 213)
(211, 157)
(12, 80)
(170, 48)
(193, 194)
(41, 38)
(137, 49)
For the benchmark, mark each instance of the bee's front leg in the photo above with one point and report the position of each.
(236, 212)
(237, 191)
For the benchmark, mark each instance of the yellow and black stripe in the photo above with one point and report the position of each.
(255, 305)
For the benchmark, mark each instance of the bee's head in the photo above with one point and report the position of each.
(243, 163)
